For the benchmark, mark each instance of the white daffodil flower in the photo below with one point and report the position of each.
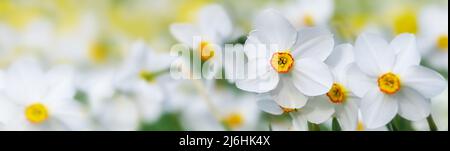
(390, 80)
(213, 27)
(339, 101)
(120, 99)
(433, 21)
(285, 63)
(38, 100)
(307, 13)
(229, 112)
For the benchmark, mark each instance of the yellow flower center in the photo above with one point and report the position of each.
(337, 94)
(206, 50)
(389, 83)
(234, 120)
(98, 52)
(282, 62)
(442, 42)
(360, 126)
(406, 22)
(36, 113)
(308, 20)
(148, 76)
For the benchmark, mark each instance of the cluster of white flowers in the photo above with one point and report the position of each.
(294, 66)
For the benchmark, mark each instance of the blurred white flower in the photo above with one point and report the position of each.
(440, 110)
(433, 22)
(38, 100)
(120, 99)
(390, 80)
(339, 101)
(285, 63)
(308, 13)
(213, 27)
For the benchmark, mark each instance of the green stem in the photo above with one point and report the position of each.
(335, 125)
(432, 124)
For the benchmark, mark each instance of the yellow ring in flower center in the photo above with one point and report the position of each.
(282, 62)
(36, 113)
(337, 94)
(389, 83)
(206, 51)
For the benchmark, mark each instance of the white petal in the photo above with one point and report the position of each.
(373, 55)
(378, 109)
(268, 105)
(299, 122)
(412, 105)
(288, 96)
(25, 81)
(312, 77)
(314, 43)
(405, 46)
(120, 115)
(425, 81)
(274, 29)
(341, 57)
(319, 109)
(359, 82)
(149, 98)
(347, 114)
(184, 33)
(215, 22)
(71, 116)
(61, 86)
(262, 78)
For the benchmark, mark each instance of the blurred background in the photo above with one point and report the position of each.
(97, 34)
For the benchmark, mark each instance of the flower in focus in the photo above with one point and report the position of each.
(434, 36)
(390, 80)
(38, 100)
(307, 13)
(285, 63)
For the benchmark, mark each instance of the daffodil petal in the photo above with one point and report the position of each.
(275, 29)
(347, 115)
(405, 46)
(184, 33)
(319, 109)
(313, 43)
(312, 77)
(288, 96)
(214, 21)
(359, 82)
(268, 105)
(262, 78)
